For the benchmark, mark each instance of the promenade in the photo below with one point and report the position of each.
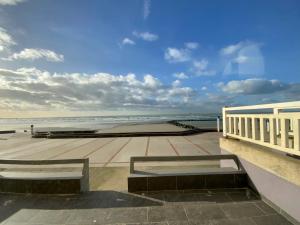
(108, 202)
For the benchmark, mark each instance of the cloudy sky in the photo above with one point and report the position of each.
(65, 57)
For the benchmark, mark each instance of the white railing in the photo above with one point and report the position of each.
(278, 129)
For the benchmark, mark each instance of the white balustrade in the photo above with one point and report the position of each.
(279, 129)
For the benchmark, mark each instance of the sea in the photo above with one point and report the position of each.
(95, 122)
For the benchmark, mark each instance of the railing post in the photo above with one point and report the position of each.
(273, 132)
(296, 131)
(225, 121)
(255, 131)
(284, 133)
(242, 126)
(263, 129)
(218, 123)
(236, 127)
(247, 128)
(230, 125)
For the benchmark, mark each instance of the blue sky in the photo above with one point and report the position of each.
(135, 56)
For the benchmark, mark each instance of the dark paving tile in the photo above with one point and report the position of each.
(271, 220)
(204, 212)
(154, 223)
(137, 184)
(246, 195)
(245, 221)
(197, 197)
(190, 182)
(180, 197)
(204, 191)
(220, 181)
(226, 190)
(51, 217)
(155, 195)
(22, 215)
(265, 208)
(190, 222)
(241, 180)
(178, 222)
(126, 215)
(87, 216)
(112, 200)
(241, 210)
(162, 183)
(166, 213)
(20, 223)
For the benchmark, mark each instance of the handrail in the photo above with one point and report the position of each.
(135, 159)
(277, 130)
(84, 181)
(282, 105)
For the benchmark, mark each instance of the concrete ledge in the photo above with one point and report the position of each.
(45, 186)
(128, 134)
(7, 131)
(183, 182)
(45, 182)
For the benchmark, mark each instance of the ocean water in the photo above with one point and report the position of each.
(94, 122)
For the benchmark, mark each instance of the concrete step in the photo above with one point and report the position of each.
(184, 179)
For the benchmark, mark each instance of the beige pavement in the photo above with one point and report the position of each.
(109, 157)
(108, 151)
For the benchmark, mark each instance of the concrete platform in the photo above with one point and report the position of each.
(107, 152)
(109, 157)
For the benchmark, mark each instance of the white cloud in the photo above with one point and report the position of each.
(31, 88)
(34, 54)
(146, 36)
(5, 40)
(11, 2)
(127, 41)
(253, 86)
(147, 8)
(151, 82)
(180, 76)
(200, 68)
(191, 45)
(176, 83)
(204, 88)
(174, 55)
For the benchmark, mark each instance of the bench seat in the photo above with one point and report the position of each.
(41, 175)
(50, 181)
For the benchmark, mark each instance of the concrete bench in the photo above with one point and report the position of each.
(45, 182)
(185, 178)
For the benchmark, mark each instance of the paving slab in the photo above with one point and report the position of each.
(47, 145)
(52, 152)
(159, 146)
(107, 152)
(85, 150)
(184, 147)
(136, 147)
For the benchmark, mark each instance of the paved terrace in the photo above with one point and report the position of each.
(109, 157)
(106, 152)
(109, 203)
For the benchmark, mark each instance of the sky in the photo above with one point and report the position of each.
(111, 57)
